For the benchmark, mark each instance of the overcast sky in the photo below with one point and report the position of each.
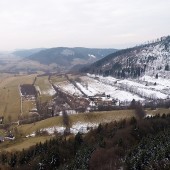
(86, 23)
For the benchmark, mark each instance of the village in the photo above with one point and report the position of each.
(75, 99)
(77, 94)
(63, 102)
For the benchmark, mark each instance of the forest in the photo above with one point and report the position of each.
(136, 143)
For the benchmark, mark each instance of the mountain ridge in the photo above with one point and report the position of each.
(65, 55)
(151, 58)
(57, 59)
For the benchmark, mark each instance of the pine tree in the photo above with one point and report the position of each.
(167, 67)
(156, 76)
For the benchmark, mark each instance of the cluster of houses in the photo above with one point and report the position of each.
(73, 105)
(101, 100)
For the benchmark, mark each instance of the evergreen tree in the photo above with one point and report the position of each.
(167, 67)
(156, 76)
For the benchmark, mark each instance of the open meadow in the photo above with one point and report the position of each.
(10, 97)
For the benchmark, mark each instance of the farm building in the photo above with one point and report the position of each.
(28, 91)
(1, 139)
(1, 119)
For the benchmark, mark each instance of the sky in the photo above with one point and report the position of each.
(26, 24)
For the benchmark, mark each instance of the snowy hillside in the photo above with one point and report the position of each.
(151, 59)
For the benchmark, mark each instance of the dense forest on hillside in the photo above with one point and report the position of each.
(131, 144)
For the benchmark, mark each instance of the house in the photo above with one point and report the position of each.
(9, 137)
(1, 119)
(1, 139)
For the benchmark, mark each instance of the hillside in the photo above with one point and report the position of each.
(128, 144)
(149, 59)
(59, 59)
(26, 52)
(68, 57)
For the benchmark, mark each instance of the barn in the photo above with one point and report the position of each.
(28, 91)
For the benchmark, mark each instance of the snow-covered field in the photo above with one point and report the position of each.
(146, 87)
(50, 91)
(69, 88)
(99, 86)
(81, 127)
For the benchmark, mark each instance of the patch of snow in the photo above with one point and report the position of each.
(51, 130)
(31, 135)
(91, 55)
(148, 115)
(69, 88)
(38, 89)
(50, 91)
(160, 81)
(82, 127)
(77, 127)
(67, 52)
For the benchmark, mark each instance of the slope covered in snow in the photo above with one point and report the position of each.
(122, 90)
(101, 86)
(69, 88)
(148, 59)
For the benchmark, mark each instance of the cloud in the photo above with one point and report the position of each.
(97, 23)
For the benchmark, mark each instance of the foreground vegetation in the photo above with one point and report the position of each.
(130, 144)
(122, 140)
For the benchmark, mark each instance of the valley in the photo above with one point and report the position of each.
(44, 99)
(78, 98)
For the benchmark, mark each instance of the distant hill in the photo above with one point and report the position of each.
(25, 53)
(152, 58)
(59, 59)
(68, 57)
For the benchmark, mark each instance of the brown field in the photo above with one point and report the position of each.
(27, 106)
(73, 77)
(10, 97)
(43, 83)
(56, 79)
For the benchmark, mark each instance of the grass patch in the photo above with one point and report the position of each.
(27, 106)
(101, 117)
(23, 143)
(50, 122)
(44, 98)
(43, 83)
(73, 77)
(10, 97)
(93, 117)
(57, 79)
(160, 111)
